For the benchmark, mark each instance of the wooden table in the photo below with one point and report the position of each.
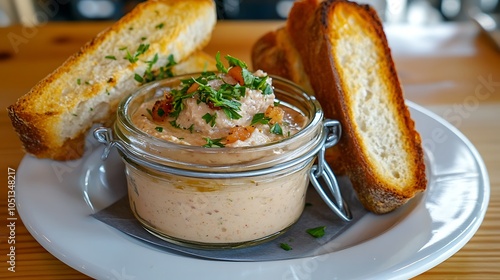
(441, 68)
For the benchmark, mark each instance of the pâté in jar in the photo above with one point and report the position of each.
(219, 159)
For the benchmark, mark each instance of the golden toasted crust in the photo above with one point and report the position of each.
(317, 32)
(53, 117)
(275, 53)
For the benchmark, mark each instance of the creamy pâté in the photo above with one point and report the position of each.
(228, 109)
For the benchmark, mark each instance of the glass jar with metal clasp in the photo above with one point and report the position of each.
(227, 197)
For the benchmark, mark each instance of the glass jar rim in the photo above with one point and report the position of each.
(136, 140)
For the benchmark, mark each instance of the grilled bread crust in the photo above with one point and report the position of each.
(53, 118)
(345, 55)
(275, 52)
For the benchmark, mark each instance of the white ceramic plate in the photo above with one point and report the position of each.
(55, 200)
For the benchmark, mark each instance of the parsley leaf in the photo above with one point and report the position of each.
(235, 62)
(317, 231)
(231, 113)
(140, 50)
(276, 129)
(138, 78)
(159, 128)
(162, 72)
(260, 118)
(211, 143)
(218, 98)
(231, 60)
(112, 57)
(285, 246)
(175, 124)
(218, 64)
(210, 119)
(248, 77)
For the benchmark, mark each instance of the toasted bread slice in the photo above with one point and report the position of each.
(346, 56)
(275, 53)
(54, 116)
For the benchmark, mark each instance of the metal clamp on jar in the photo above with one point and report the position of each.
(225, 197)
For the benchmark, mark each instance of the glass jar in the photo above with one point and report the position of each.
(222, 197)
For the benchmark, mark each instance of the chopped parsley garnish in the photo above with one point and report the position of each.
(209, 119)
(276, 129)
(112, 57)
(218, 63)
(78, 81)
(159, 129)
(175, 124)
(285, 246)
(260, 118)
(317, 232)
(148, 74)
(213, 143)
(225, 98)
(140, 50)
(138, 78)
(162, 72)
(160, 26)
(235, 62)
(251, 81)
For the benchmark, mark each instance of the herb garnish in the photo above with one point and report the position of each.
(213, 143)
(225, 98)
(276, 129)
(138, 78)
(285, 246)
(160, 26)
(260, 118)
(210, 119)
(140, 50)
(159, 129)
(162, 72)
(112, 57)
(317, 231)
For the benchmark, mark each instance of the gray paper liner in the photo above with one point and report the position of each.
(316, 213)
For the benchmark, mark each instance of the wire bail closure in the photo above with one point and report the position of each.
(319, 172)
(323, 171)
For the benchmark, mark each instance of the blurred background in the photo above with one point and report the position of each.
(32, 12)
